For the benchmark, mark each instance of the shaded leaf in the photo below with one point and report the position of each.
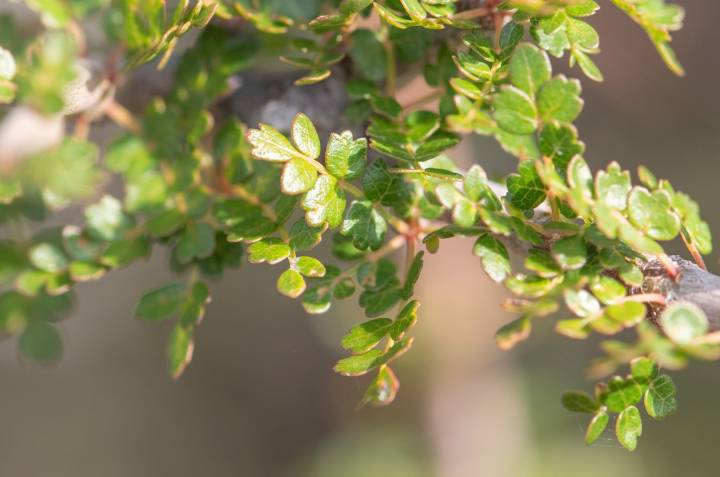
(161, 303)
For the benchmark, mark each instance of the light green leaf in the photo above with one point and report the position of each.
(466, 88)
(324, 203)
(529, 68)
(582, 9)
(310, 267)
(106, 220)
(628, 427)
(270, 250)
(588, 66)
(580, 180)
(643, 368)
(647, 177)
(475, 183)
(494, 256)
(559, 100)
(597, 426)
(623, 393)
(269, 145)
(83, 271)
(629, 313)
(580, 302)
(464, 213)
(531, 286)
(345, 158)
(607, 289)
(515, 111)
(576, 328)
(291, 284)
(365, 336)
(683, 322)
(414, 9)
(651, 213)
(48, 257)
(541, 262)
(298, 176)
(570, 252)
(7, 65)
(612, 187)
(305, 137)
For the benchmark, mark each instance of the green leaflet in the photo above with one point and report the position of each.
(365, 225)
(529, 68)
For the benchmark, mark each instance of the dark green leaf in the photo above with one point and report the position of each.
(405, 320)
(41, 342)
(413, 274)
(270, 250)
(368, 54)
(161, 303)
(660, 397)
(577, 401)
(525, 189)
(365, 225)
(378, 302)
(197, 241)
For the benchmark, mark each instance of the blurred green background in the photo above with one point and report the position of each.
(260, 398)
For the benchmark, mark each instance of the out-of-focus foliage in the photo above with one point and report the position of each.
(214, 191)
